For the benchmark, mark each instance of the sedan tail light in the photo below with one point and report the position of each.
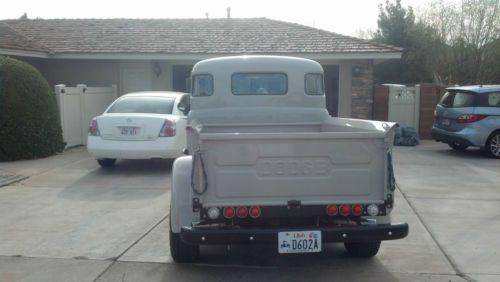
(93, 128)
(469, 118)
(168, 129)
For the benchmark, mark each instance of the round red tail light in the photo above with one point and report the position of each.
(228, 212)
(332, 210)
(242, 212)
(254, 212)
(357, 210)
(345, 210)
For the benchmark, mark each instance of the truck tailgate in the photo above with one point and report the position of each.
(315, 168)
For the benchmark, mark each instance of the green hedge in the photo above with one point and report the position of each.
(29, 121)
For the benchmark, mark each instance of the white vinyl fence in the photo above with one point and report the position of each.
(78, 105)
(404, 105)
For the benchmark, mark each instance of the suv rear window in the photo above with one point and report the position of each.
(143, 105)
(457, 100)
(489, 100)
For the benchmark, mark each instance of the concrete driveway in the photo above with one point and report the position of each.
(72, 221)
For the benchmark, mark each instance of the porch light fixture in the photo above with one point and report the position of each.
(356, 71)
(157, 69)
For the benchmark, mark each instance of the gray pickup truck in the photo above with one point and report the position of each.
(267, 164)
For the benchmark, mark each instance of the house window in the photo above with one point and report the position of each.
(259, 84)
(313, 84)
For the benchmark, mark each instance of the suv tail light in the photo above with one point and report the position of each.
(168, 129)
(469, 118)
(93, 128)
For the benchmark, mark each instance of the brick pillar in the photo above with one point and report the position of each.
(381, 103)
(430, 94)
(362, 89)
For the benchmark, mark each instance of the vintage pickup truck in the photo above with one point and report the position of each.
(267, 164)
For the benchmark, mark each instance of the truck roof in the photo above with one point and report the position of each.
(255, 63)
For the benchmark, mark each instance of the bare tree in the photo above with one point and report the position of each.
(469, 29)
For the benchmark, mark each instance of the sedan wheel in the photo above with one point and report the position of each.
(493, 145)
(106, 162)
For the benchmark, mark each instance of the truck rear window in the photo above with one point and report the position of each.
(203, 85)
(457, 100)
(259, 84)
(313, 84)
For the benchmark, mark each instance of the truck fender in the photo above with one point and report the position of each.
(181, 210)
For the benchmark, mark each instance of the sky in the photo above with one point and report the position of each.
(341, 16)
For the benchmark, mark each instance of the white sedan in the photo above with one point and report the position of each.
(142, 125)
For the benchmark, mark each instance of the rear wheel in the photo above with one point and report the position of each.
(106, 162)
(457, 146)
(493, 145)
(180, 251)
(362, 249)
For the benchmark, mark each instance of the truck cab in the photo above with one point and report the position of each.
(267, 164)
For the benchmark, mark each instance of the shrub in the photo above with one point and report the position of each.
(29, 120)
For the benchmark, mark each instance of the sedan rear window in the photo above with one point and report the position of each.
(143, 105)
(457, 100)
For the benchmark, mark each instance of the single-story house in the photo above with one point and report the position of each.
(158, 54)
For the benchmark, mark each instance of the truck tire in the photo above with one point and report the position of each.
(180, 251)
(362, 249)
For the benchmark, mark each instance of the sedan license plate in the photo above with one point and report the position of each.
(129, 131)
(446, 122)
(299, 242)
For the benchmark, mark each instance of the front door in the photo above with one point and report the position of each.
(180, 78)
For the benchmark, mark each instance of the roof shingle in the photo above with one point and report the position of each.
(184, 36)
(11, 39)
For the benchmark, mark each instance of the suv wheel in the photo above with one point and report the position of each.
(457, 146)
(493, 145)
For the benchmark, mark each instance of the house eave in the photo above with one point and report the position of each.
(202, 56)
(23, 53)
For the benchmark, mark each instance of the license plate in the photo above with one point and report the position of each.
(129, 131)
(299, 242)
(446, 122)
